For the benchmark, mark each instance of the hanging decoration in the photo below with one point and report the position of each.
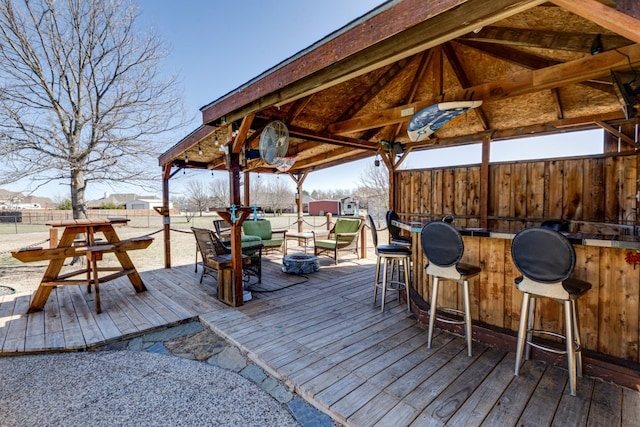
(430, 119)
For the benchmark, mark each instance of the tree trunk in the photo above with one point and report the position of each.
(78, 186)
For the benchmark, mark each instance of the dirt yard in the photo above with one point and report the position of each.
(25, 277)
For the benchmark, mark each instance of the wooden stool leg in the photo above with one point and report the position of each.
(89, 271)
(96, 281)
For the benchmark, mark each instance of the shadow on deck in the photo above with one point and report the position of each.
(322, 335)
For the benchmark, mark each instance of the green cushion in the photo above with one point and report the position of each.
(250, 240)
(272, 243)
(260, 228)
(347, 225)
(325, 244)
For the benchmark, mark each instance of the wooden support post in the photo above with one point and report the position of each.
(166, 218)
(299, 179)
(363, 239)
(247, 187)
(485, 191)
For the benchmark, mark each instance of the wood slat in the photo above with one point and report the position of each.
(326, 339)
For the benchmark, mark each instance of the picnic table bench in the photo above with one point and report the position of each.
(69, 247)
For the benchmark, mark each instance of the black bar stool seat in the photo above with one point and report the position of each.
(443, 246)
(546, 259)
(397, 255)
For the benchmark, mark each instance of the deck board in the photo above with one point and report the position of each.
(323, 336)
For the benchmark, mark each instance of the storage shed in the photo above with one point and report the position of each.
(321, 207)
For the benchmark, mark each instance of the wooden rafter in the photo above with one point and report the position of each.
(463, 80)
(525, 60)
(574, 42)
(329, 138)
(243, 131)
(297, 108)
(605, 16)
(392, 41)
(375, 89)
(613, 131)
(520, 84)
(425, 59)
(557, 102)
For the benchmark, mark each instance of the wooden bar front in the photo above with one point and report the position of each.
(609, 318)
(596, 194)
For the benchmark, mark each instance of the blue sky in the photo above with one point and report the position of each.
(216, 46)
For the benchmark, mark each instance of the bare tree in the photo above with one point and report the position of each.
(198, 195)
(374, 190)
(81, 96)
(258, 191)
(280, 194)
(219, 191)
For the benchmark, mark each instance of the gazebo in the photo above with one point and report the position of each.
(538, 67)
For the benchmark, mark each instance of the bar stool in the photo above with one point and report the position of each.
(394, 231)
(546, 260)
(443, 246)
(396, 255)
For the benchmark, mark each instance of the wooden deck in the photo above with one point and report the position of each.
(322, 335)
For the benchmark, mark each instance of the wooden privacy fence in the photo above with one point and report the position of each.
(587, 191)
(592, 189)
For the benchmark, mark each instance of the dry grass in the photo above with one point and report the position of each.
(24, 277)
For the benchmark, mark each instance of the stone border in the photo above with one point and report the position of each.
(195, 341)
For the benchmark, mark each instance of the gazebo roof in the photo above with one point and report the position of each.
(538, 67)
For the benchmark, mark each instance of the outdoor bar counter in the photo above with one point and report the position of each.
(609, 312)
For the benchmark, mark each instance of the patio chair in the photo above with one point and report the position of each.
(272, 240)
(251, 247)
(222, 229)
(344, 236)
(395, 237)
(215, 257)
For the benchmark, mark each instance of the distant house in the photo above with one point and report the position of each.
(11, 200)
(126, 201)
(145, 204)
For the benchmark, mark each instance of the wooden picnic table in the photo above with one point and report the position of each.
(70, 246)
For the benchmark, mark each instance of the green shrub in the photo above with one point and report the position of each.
(65, 205)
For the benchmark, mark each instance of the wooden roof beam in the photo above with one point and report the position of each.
(574, 42)
(525, 60)
(375, 43)
(613, 131)
(581, 123)
(243, 131)
(463, 80)
(520, 84)
(607, 17)
(375, 89)
(425, 59)
(329, 138)
(324, 159)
